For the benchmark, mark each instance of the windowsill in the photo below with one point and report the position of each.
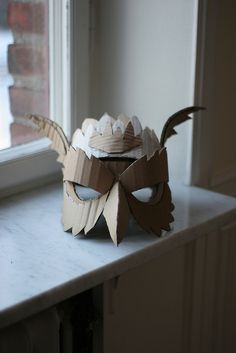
(41, 265)
(27, 166)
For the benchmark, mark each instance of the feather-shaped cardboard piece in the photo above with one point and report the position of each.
(120, 167)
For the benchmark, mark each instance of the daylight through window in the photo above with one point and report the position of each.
(24, 78)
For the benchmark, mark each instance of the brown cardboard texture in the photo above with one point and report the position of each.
(114, 168)
(116, 213)
(115, 142)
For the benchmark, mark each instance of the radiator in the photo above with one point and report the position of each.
(66, 328)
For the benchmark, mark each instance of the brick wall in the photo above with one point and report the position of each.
(28, 63)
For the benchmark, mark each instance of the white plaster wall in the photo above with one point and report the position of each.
(143, 63)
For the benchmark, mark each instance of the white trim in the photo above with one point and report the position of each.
(80, 61)
(227, 175)
(59, 63)
(198, 175)
(27, 171)
(188, 176)
(228, 188)
(17, 152)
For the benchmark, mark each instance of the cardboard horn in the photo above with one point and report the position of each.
(54, 132)
(176, 119)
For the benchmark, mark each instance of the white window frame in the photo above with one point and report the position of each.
(34, 164)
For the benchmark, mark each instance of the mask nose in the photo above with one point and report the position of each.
(116, 213)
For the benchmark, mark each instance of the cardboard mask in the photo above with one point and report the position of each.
(114, 168)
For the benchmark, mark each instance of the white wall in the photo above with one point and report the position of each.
(143, 63)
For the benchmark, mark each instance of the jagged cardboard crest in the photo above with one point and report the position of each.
(117, 160)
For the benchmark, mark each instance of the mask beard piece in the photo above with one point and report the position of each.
(117, 159)
(116, 213)
(155, 215)
(80, 214)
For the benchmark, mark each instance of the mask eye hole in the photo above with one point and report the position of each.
(149, 193)
(85, 193)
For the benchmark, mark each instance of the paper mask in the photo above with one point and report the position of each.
(114, 168)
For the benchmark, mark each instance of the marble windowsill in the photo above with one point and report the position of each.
(40, 265)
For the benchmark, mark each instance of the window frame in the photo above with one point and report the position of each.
(34, 164)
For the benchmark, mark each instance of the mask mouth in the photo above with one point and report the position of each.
(149, 193)
(85, 193)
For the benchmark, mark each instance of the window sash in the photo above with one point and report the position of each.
(33, 164)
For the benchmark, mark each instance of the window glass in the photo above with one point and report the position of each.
(24, 79)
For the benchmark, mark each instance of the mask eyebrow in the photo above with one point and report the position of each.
(90, 172)
(143, 172)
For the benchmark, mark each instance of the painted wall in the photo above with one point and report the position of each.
(143, 62)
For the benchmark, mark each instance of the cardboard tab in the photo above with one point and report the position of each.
(143, 172)
(116, 213)
(88, 172)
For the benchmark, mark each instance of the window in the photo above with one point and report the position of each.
(35, 63)
(5, 81)
(24, 80)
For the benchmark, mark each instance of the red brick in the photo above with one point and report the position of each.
(27, 17)
(27, 60)
(22, 134)
(25, 101)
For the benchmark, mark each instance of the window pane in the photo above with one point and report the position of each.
(23, 68)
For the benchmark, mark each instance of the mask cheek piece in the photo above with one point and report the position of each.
(149, 193)
(85, 193)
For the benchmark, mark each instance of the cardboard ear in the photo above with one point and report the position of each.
(54, 132)
(176, 119)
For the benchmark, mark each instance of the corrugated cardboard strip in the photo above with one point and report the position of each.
(115, 176)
